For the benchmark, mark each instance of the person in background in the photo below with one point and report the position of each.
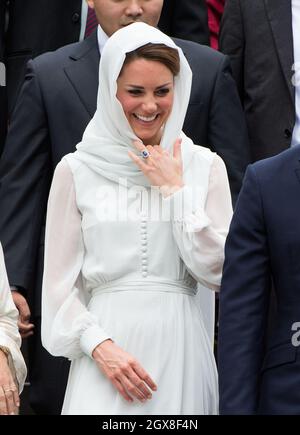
(258, 361)
(185, 19)
(12, 365)
(260, 273)
(57, 101)
(262, 40)
(35, 29)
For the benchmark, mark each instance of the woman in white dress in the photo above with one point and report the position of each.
(12, 365)
(133, 224)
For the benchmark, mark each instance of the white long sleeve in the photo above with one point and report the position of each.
(68, 328)
(201, 233)
(9, 334)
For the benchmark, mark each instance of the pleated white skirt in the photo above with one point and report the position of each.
(164, 331)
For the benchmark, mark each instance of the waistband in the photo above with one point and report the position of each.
(149, 285)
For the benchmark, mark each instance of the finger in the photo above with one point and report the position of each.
(3, 406)
(143, 167)
(144, 376)
(16, 398)
(139, 145)
(153, 152)
(24, 327)
(26, 330)
(159, 149)
(24, 311)
(140, 385)
(121, 390)
(24, 318)
(177, 149)
(132, 389)
(10, 403)
(154, 160)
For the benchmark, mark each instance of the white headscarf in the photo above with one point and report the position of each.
(108, 136)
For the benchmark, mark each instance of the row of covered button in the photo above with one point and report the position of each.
(144, 246)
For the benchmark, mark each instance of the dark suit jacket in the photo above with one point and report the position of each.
(40, 26)
(185, 19)
(263, 245)
(257, 36)
(55, 105)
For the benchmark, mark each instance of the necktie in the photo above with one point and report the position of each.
(91, 22)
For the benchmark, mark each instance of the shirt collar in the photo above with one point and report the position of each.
(102, 38)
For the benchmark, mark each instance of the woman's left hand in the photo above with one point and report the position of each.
(9, 396)
(162, 169)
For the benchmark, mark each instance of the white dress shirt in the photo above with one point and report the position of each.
(84, 11)
(102, 37)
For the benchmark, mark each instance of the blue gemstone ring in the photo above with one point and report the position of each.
(145, 154)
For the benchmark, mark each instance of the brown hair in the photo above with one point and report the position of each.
(168, 56)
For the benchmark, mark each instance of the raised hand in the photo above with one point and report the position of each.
(160, 167)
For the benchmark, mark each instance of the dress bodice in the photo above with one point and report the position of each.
(128, 231)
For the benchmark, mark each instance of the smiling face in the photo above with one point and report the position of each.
(146, 92)
(115, 14)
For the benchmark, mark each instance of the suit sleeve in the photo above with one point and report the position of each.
(185, 19)
(25, 174)
(227, 130)
(244, 300)
(232, 40)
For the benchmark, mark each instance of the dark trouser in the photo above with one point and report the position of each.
(48, 376)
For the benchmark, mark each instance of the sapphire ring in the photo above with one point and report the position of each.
(145, 154)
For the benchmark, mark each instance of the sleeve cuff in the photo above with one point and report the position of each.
(186, 202)
(15, 360)
(91, 337)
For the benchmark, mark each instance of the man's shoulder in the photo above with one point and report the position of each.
(288, 156)
(276, 167)
(202, 52)
(62, 55)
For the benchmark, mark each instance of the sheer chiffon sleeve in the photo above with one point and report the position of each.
(68, 328)
(200, 234)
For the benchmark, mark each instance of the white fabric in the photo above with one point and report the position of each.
(296, 39)
(116, 267)
(108, 136)
(84, 13)
(102, 38)
(9, 334)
